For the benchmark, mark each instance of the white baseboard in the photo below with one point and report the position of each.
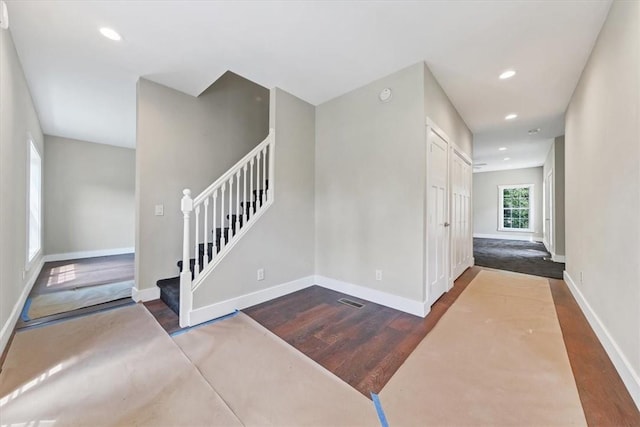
(87, 254)
(7, 328)
(417, 308)
(625, 370)
(148, 294)
(508, 237)
(558, 258)
(213, 311)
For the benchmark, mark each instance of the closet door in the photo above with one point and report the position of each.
(461, 237)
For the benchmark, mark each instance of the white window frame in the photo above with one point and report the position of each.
(501, 226)
(31, 256)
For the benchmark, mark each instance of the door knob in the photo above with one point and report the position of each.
(446, 224)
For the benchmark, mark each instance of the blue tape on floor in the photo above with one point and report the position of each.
(217, 319)
(379, 410)
(25, 311)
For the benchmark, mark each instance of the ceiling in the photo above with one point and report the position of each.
(83, 84)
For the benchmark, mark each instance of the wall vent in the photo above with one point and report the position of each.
(350, 303)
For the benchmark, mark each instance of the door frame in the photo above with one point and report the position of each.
(548, 198)
(431, 126)
(455, 150)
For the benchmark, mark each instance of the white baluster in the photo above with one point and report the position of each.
(245, 211)
(238, 201)
(214, 251)
(251, 185)
(185, 276)
(230, 217)
(272, 180)
(196, 269)
(223, 240)
(205, 260)
(258, 198)
(263, 195)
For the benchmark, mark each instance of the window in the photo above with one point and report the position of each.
(35, 202)
(515, 207)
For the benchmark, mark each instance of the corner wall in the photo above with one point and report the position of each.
(554, 163)
(186, 142)
(89, 193)
(370, 183)
(602, 143)
(18, 119)
(439, 108)
(370, 177)
(281, 242)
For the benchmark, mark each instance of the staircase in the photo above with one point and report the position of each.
(222, 214)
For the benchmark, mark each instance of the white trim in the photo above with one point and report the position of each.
(508, 237)
(87, 254)
(558, 258)
(625, 370)
(501, 208)
(31, 260)
(432, 127)
(222, 308)
(148, 294)
(417, 308)
(7, 328)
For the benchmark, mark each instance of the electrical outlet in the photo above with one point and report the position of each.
(159, 210)
(261, 274)
(378, 274)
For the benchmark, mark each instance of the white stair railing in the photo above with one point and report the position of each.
(225, 203)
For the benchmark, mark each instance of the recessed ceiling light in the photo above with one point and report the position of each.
(507, 158)
(110, 33)
(502, 148)
(510, 116)
(533, 131)
(507, 74)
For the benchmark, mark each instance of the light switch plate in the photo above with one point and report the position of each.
(159, 210)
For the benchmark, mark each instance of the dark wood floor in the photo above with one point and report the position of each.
(605, 400)
(365, 347)
(169, 320)
(77, 273)
(59, 276)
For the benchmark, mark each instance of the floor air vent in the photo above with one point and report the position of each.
(350, 303)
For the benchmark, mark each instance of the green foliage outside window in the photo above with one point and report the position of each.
(516, 206)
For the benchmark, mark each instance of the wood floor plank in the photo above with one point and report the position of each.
(364, 347)
(605, 400)
(169, 320)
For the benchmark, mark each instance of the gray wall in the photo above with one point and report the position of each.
(370, 178)
(439, 108)
(281, 241)
(485, 201)
(603, 181)
(89, 193)
(187, 142)
(555, 163)
(370, 173)
(18, 118)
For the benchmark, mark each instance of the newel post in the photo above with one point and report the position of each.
(186, 298)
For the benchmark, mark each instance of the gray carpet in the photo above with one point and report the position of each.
(516, 255)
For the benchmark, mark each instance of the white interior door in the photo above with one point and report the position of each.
(461, 239)
(548, 212)
(437, 218)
